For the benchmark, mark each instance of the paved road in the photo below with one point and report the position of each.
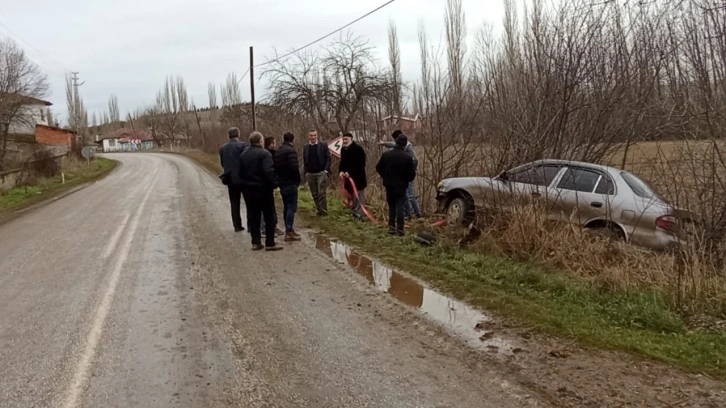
(134, 292)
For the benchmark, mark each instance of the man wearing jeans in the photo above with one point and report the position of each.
(316, 161)
(287, 168)
(411, 200)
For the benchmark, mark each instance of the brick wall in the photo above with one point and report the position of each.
(52, 136)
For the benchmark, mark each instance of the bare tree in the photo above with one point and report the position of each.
(20, 79)
(332, 90)
(212, 92)
(394, 58)
(171, 105)
(455, 36)
(76, 110)
(151, 119)
(182, 95)
(114, 114)
(230, 91)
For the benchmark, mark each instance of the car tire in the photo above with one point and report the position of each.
(609, 233)
(460, 212)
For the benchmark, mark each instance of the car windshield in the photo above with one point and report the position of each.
(639, 187)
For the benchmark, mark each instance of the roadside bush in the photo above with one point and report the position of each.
(44, 164)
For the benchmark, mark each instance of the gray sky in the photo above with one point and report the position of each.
(128, 47)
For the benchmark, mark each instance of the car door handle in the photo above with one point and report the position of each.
(536, 195)
(596, 204)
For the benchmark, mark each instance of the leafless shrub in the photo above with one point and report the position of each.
(44, 164)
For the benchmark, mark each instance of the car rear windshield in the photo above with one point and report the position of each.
(639, 187)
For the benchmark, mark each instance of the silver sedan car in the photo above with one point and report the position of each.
(592, 196)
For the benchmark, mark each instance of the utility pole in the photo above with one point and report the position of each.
(77, 104)
(252, 87)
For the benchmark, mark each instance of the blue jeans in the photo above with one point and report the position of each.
(412, 202)
(289, 204)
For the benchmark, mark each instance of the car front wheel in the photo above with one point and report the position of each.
(460, 212)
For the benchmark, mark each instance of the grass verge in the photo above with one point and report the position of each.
(635, 321)
(76, 173)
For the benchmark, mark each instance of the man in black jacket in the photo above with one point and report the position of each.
(316, 161)
(287, 168)
(229, 156)
(257, 171)
(353, 165)
(271, 146)
(397, 169)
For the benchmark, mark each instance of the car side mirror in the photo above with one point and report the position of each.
(503, 176)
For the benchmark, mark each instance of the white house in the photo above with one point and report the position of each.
(126, 140)
(32, 112)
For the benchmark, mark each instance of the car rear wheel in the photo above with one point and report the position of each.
(609, 233)
(460, 212)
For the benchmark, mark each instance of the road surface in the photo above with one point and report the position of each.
(135, 292)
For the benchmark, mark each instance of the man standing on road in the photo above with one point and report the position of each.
(287, 168)
(257, 171)
(316, 161)
(229, 156)
(412, 205)
(270, 146)
(397, 169)
(353, 165)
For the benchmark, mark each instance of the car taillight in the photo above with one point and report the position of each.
(667, 223)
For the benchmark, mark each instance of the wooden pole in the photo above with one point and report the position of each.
(252, 87)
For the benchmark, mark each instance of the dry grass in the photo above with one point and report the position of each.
(689, 282)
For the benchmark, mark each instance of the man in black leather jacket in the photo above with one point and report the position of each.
(257, 171)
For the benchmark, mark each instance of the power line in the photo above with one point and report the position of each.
(327, 35)
(37, 51)
(243, 76)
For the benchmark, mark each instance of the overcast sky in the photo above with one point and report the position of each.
(128, 47)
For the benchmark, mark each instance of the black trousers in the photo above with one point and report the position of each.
(235, 197)
(260, 203)
(396, 209)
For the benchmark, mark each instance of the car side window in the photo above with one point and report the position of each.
(579, 180)
(539, 175)
(605, 186)
(550, 172)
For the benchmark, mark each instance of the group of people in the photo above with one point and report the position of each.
(253, 171)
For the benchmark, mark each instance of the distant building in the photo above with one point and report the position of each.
(29, 129)
(126, 140)
(405, 123)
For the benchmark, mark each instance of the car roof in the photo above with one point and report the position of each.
(611, 170)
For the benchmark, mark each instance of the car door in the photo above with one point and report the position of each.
(581, 195)
(532, 184)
